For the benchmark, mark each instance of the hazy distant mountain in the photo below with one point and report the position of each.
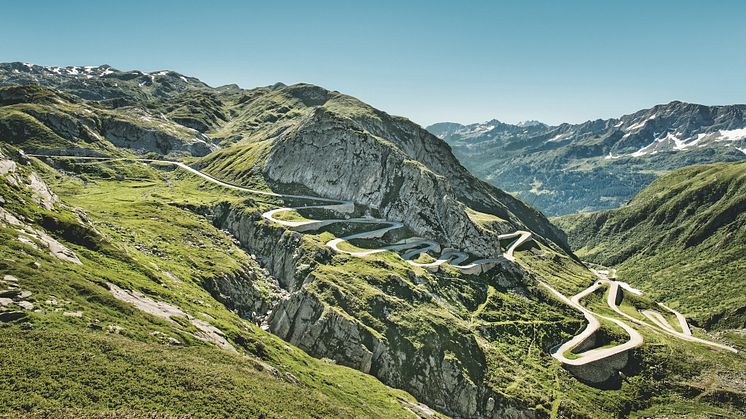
(597, 164)
(493, 129)
(99, 82)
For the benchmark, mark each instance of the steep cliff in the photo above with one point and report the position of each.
(338, 147)
(104, 311)
(412, 329)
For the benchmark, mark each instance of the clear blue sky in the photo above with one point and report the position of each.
(431, 61)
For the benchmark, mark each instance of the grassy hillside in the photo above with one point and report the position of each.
(250, 137)
(40, 119)
(682, 239)
(116, 358)
(76, 348)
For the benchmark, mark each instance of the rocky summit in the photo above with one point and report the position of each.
(172, 248)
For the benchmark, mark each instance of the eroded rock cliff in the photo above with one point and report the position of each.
(447, 372)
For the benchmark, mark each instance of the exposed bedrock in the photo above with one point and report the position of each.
(336, 160)
(239, 291)
(451, 384)
(123, 133)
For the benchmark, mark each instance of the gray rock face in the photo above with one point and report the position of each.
(416, 181)
(240, 292)
(278, 250)
(305, 322)
(125, 134)
(441, 383)
(603, 373)
(302, 319)
(40, 192)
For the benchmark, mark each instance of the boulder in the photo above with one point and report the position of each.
(9, 316)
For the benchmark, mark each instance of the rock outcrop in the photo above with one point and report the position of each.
(167, 140)
(416, 181)
(41, 120)
(43, 196)
(301, 317)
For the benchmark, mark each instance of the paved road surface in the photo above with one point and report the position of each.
(660, 323)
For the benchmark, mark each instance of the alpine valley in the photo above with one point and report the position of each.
(172, 249)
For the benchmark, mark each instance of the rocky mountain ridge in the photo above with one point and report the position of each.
(99, 83)
(597, 164)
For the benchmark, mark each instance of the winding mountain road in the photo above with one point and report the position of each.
(414, 247)
(593, 355)
(613, 296)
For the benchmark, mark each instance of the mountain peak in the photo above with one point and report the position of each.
(309, 94)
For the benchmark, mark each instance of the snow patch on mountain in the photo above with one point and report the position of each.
(35, 72)
(679, 144)
(645, 150)
(480, 129)
(563, 136)
(611, 156)
(640, 124)
(733, 134)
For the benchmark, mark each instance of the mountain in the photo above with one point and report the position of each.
(101, 83)
(313, 224)
(43, 120)
(597, 164)
(682, 238)
(490, 130)
(99, 315)
(324, 137)
(295, 118)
